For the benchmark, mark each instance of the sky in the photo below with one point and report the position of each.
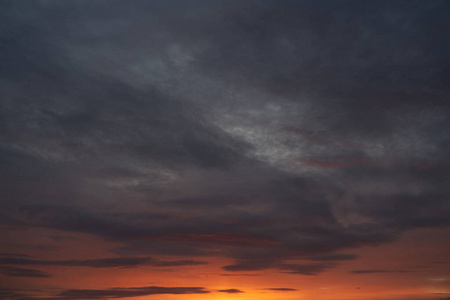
(224, 149)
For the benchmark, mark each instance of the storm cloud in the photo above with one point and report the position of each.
(279, 135)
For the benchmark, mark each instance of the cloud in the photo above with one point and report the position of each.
(102, 262)
(177, 263)
(369, 271)
(119, 293)
(15, 255)
(333, 257)
(249, 265)
(240, 274)
(231, 291)
(10, 294)
(300, 269)
(295, 133)
(20, 272)
(112, 293)
(281, 289)
(306, 269)
(260, 248)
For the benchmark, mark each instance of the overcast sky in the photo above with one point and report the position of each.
(242, 149)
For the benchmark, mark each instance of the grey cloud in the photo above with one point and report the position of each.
(115, 293)
(264, 245)
(406, 211)
(15, 255)
(125, 292)
(306, 269)
(292, 268)
(342, 47)
(376, 271)
(177, 263)
(249, 265)
(262, 131)
(333, 257)
(356, 84)
(21, 272)
(239, 274)
(102, 262)
(281, 289)
(231, 291)
(10, 293)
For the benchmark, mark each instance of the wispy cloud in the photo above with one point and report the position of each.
(281, 289)
(21, 272)
(102, 262)
(231, 291)
(119, 293)
(374, 271)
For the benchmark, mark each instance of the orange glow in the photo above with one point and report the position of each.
(412, 281)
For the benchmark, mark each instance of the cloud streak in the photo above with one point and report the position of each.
(231, 291)
(102, 262)
(21, 272)
(282, 139)
(120, 293)
(281, 289)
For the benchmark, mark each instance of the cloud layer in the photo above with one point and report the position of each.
(281, 135)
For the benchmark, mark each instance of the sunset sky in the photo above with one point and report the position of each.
(224, 149)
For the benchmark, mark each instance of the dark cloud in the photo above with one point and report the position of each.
(112, 293)
(95, 263)
(336, 49)
(281, 289)
(15, 255)
(249, 266)
(306, 269)
(407, 211)
(375, 271)
(10, 294)
(130, 292)
(333, 257)
(240, 274)
(231, 291)
(300, 269)
(119, 293)
(266, 131)
(152, 232)
(102, 262)
(20, 272)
